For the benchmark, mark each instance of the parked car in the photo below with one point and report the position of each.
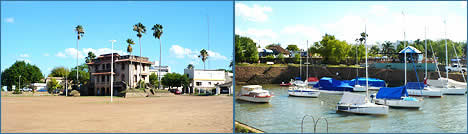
(456, 68)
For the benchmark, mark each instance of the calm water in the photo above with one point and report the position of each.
(284, 114)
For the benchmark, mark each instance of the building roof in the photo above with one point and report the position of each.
(410, 49)
(279, 49)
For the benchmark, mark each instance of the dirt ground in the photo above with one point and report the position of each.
(184, 114)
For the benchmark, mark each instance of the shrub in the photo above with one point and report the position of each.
(270, 58)
(17, 91)
(75, 93)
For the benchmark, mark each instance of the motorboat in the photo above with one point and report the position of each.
(396, 97)
(374, 84)
(254, 93)
(419, 89)
(311, 81)
(303, 91)
(332, 86)
(357, 103)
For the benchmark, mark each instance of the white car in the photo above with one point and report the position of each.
(456, 68)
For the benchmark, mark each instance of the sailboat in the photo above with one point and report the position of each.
(447, 85)
(396, 97)
(416, 88)
(360, 104)
(302, 89)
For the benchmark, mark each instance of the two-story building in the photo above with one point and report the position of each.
(205, 79)
(155, 69)
(128, 71)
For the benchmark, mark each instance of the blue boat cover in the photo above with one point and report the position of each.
(415, 85)
(327, 83)
(373, 82)
(297, 78)
(391, 92)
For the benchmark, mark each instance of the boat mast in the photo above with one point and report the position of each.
(300, 66)
(307, 63)
(425, 53)
(367, 75)
(436, 63)
(404, 44)
(446, 54)
(357, 63)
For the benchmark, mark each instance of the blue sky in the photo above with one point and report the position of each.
(42, 33)
(296, 22)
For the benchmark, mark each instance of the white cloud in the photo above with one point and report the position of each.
(463, 4)
(216, 56)
(378, 10)
(256, 13)
(61, 55)
(10, 20)
(298, 34)
(182, 53)
(260, 36)
(72, 52)
(46, 54)
(24, 56)
(25, 60)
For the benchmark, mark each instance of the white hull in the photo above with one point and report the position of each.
(367, 108)
(359, 88)
(306, 93)
(452, 90)
(425, 92)
(255, 99)
(311, 83)
(399, 103)
(332, 92)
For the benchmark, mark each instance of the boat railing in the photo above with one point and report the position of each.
(315, 122)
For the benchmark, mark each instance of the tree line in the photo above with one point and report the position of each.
(335, 51)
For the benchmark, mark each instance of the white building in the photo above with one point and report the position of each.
(155, 68)
(205, 79)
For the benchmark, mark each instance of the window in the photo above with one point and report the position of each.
(123, 66)
(102, 78)
(198, 83)
(135, 78)
(122, 78)
(103, 66)
(135, 66)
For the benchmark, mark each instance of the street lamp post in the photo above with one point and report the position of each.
(112, 69)
(19, 81)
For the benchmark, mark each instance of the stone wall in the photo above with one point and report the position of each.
(276, 75)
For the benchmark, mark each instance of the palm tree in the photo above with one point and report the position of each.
(190, 66)
(79, 31)
(139, 28)
(130, 50)
(158, 31)
(387, 48)
(203, 55)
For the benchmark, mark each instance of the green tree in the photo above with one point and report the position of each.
(80, 32)
(130, 50)
(388, 48)
(203, 55)
(140, 29)
(153, 78)
(29, 74)
(190, 66)
(83, 74)
(374, 50)
(281, 57)
(59, 72)
(158, 31)
(270, 57)
(52, 85)
(175, 80)
(332, 50)
(292, 47)
(245, 50)
(297, 58)
(91, 56)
